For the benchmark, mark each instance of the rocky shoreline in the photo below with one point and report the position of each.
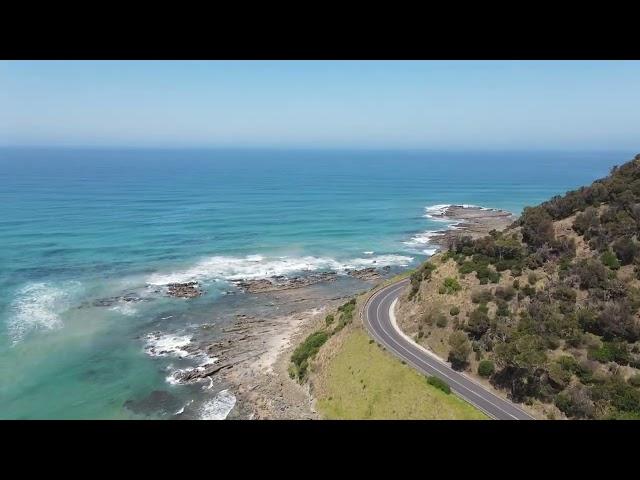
(251, 353)
(280, 282)
(472, 221)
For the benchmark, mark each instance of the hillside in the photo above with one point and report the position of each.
(349, 376)
(546, 311)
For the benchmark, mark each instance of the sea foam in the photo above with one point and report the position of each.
(37, 306)
(422, 241)
(163, 345)
(219, 407)
(255, 267)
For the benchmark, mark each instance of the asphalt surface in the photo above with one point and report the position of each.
(377, 318)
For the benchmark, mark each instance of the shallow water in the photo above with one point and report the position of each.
(79, 226)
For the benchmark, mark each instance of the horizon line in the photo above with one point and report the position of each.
(315, 147)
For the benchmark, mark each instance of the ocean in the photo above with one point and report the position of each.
(83, 230)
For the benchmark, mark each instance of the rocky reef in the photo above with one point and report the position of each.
(184, 290)
(280, 282)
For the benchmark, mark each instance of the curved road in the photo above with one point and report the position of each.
(379, 320)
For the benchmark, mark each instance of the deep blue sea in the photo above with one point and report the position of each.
(79, 226)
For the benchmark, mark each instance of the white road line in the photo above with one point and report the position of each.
(434, 367)
(421, 362)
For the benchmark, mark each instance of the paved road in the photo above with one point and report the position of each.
(380, 322)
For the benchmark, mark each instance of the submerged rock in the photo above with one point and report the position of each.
(369, 273)
(184, 290)
(158, 401)
(111, 301)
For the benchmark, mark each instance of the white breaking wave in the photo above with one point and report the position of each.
(422, 241)
(163, 345)
(37, 306)
(438, 210)
(174, 378)
(173, 345)
(255, 267)
(219, 407)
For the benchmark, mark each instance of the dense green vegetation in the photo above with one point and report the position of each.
(439, 384)
(570, 334)
(304, 352)
(450, 286)
(486, 368)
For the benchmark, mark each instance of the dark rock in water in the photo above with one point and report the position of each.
(365, 274)
(184, 290)
(281, 282)
(158, 401)
(111, 301)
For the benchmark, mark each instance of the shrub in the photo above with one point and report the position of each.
(586, 221)
(575, 402)
(528, 291)
(329, 319)
(306, 350)
(441, 320)
(428, 319)
(503, 308)
(616, 321)
(610, 352)
(481, 296)
(422, 273)
(610, 260)
(454, 311)
(625, 249)
(506, 293)
(439, 384)
(532, 278)
(516, 284)
(451, 285)
(591, 273)
(346, 313)
(486, 368)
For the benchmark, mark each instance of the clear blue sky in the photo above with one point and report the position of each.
(391, 104)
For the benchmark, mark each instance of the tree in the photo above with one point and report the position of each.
(478, 322)
(460, 350)
(537, 227)
(526, 352)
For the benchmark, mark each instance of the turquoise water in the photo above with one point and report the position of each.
(80, 225)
